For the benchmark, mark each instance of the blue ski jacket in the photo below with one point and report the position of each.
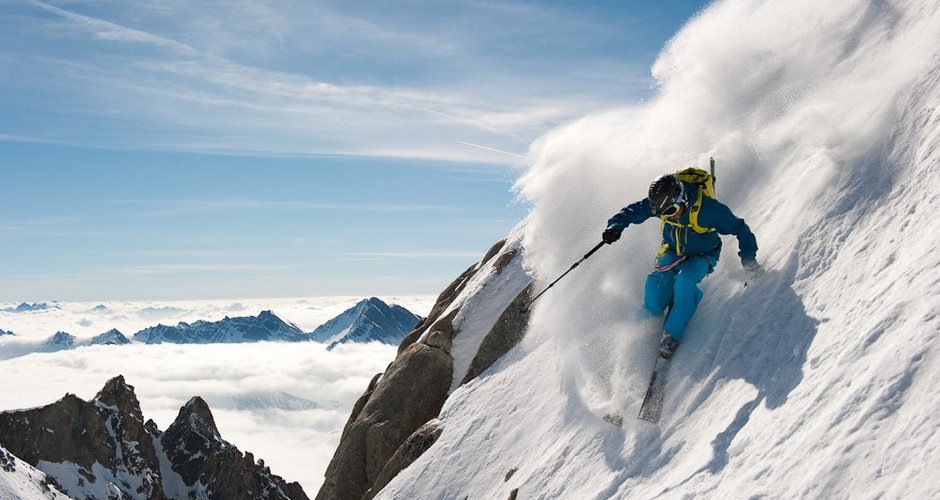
(681, 239)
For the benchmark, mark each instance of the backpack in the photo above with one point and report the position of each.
(706, 187)
(704, 180)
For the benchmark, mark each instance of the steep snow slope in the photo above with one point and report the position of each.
(22, 481)
(816, 381)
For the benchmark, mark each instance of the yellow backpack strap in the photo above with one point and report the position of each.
(693, 215)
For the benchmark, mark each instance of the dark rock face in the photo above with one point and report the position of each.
(199, 454)
(409, 394)
(109, 432)
(414, 447)
(505, 334)
(394, 422)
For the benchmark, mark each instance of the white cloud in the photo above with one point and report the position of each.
(86, 319)
(296, 444)
(313, 80)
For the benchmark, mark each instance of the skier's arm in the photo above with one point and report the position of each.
(634, 213)
(725, 222)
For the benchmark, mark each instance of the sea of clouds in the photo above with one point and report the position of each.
(286, 403)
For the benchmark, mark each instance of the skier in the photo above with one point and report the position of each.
(692, 220)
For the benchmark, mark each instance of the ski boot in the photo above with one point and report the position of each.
(668, 346)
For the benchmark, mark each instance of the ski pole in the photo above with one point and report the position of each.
(576, 264)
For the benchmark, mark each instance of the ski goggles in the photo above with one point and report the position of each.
(678, 203)
(673, 209)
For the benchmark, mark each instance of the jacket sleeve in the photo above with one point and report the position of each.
(633, 213)
(725, 222)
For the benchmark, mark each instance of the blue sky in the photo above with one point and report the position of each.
(185, 150)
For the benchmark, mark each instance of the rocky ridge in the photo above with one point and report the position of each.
(474, 321)
(103, 448)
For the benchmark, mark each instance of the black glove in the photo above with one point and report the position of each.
(612, 234)
(753, 269)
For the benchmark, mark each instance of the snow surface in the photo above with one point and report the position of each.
(21, 481)
(481, 302)
(817, 381)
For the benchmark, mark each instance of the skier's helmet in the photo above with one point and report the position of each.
(667, 195)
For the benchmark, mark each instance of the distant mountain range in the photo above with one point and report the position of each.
(26, 307)
(61, 341)
(369, 320)
(263, 327)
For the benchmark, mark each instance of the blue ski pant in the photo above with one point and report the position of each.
(679, 287)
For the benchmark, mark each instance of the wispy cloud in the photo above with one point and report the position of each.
(314, 79)
(172, 207)
(106, 30)
(157, 269)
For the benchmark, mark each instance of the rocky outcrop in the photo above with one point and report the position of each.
(414, 447)
(93, 449)
(505, 334)
(107, 432)
(395, 420)
(200, 456)
(407, 395)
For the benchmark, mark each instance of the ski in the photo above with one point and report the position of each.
(652, 406)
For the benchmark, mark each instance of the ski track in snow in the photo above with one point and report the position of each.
(817, 381)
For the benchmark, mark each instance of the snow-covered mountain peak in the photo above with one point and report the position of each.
(58, 341)
(110, 337)
(369, 320)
